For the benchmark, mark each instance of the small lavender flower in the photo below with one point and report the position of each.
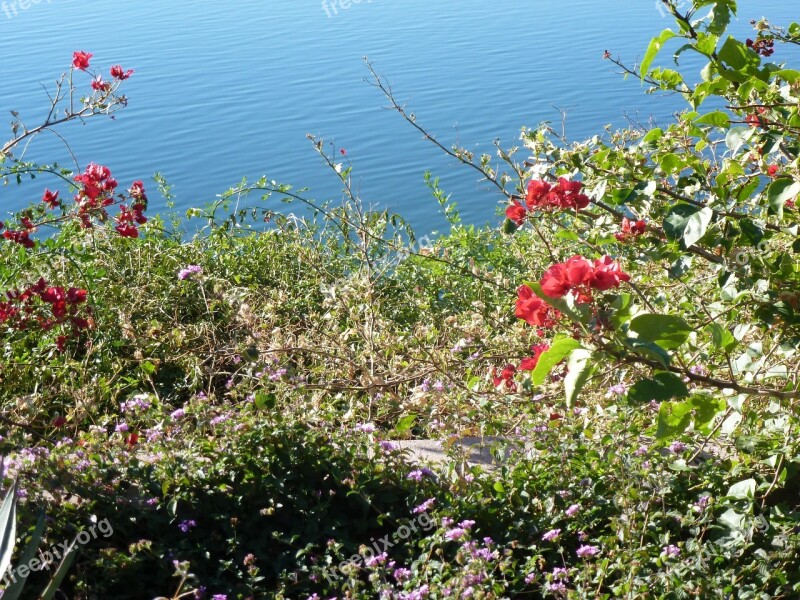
(177, 414)
(401, 574)
(560, 574)
(418, 474)
(552, 535)
(586, 551)
(702, 503)
(467, 524)
(677, 447)
(377, 560)
(455, 534)
(219, 419)
(573, 510)
(366, 427)
(438, 386)
(121, 427)
(530, 578)
(671, 551)
(187, 272)
(186, 526)
(557, 587)
(425, 506)
(388, 446)
(219, 597)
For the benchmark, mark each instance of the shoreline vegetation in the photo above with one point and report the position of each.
(229, 411)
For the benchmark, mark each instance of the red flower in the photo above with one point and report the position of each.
(132, 439)
(772, 171)
(529, 364)
(581, 276)
(59, 421)
(137, 191)
(127, 230)
(516, 212)
(533, 310)
(506, 377)
(99, 85)
(554, 281)
(607, 274)
(118, 73)
(630, 228)
(51, 199)
(537, 190)
(20, 237)
(80, 60)
(76, 295)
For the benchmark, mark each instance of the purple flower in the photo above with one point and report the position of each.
(587, 551)
(455, 534)
(219, 597)
(560, 574)
(671, 551)
(530, 578)
(366, 427)
(618, 389)
(374, 561)
(425, 506)
(467, 524)
(557, 587)
(677, 447)
(401, 574)
(177, 414)
(573, 510)
(418, 474)
(121, 427)
(188, 272)
(551, 535)
(185, 526)
(388, 446)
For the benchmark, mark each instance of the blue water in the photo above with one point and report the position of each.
(224, 90)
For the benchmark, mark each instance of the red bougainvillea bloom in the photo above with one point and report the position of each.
(607, 274)
(76, 295)
(506, 377)
(137, 191)
(772, 170)
(516, 212)
(80, 60)
(564, 195)
(99, 85)
(631, 229)
(533, 310)
(529, 364)
(51, 199)
(580, 275)
(118, 73)
(19, 237)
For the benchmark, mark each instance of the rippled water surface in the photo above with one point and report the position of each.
(224, 90)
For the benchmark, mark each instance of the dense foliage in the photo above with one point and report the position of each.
(228, 406)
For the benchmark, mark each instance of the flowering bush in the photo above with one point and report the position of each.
(235, 404)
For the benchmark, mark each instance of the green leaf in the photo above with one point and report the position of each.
(781, 190)
(579, 368)
(672, 163)
(663, 386)
(705, 409)
(61, 572)
(8, 526)
(743, 490)
(667, 331)
(405, 423)
(788, 75)
(721, 337)
(717, 118)
(696, 226)
(655, 46)
(558, 351)
(13, 591)
(264, 400)
(649, 350)
(673, 419)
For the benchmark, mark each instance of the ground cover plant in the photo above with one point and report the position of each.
(216, 415)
